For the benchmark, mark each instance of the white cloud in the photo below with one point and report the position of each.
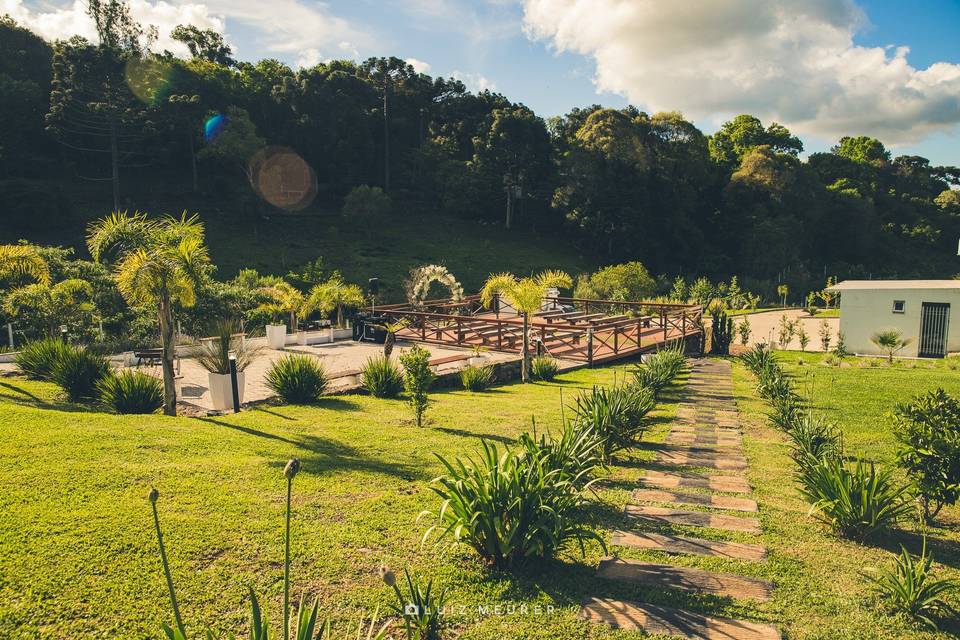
(289, 28)
(794, 62)
(474, 81)
(418, 65)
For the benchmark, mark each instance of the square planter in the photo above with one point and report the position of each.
(276, 336)
(221, 392)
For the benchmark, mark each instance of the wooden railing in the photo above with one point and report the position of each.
(464, 323)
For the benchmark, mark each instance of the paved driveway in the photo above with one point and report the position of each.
(765, 327)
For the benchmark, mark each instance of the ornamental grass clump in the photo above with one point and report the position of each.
(578, 451)
(131, 392)
(615, 414)
(510, 507)
(660, 369)
(544, 368)
(854, 500)
(297, 379)
(78, 371)
(36, 359)
(421, 607)
(382, 378)
(909, 588)
(815, 439)
(476, 378)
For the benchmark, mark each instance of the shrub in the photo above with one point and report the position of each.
(721, 334)
(814, 439)
(544, 368)
(382, 378)
(758, 359)
(37, 359)
(214, 355)
(131, 392)
(417, 379)
(909, 588)
(660, 369)
(615, 414)
(928, 430)
(509, 507)
(476, 378)
(297, 379)
(890, 342)
(78, 371)
(744, 330)
(365, 202)
(786, 412)
(855, 501)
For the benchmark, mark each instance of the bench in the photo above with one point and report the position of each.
(151, 356)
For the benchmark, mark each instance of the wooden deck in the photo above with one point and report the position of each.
(592, 331)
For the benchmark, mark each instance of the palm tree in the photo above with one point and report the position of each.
(526, 295)
(158, 262)
(284, 298)
(23, 260)
(52, 305)
(890, 341)
(334, 294)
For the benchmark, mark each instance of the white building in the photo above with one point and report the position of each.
(919, 309)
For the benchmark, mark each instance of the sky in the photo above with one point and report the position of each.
(824, 68)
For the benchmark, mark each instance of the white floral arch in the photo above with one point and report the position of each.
(418, 286)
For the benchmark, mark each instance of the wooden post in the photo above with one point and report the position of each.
(639, 329)
(590, 346)
(616, 340)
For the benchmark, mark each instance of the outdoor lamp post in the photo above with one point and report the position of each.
(233, 382)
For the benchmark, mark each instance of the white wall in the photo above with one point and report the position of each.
(863, 312)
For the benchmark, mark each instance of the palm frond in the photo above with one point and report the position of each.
(22, 260)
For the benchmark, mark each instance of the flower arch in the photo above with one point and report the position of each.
(418, 285)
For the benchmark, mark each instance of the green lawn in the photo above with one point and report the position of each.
(820, 586)
(78, 555)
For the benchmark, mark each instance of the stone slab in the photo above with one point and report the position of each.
(732, 503)
(658, 620)
(686, 545)
(693, 518)
(666, 576)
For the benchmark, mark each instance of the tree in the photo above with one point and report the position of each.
(417, 379)
(863, 150)
(334, 294)
(735, 138)
(157, 262)
(52, 305)
(390, 75)
(627, 282)
(19, 261)
(891, 341)
(237, 144)
(205, 44)
(526, 295)
(783, 290)
(284, 298)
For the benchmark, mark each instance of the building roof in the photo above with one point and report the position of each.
(860, 285)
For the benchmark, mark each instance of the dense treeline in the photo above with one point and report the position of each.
(621, 184)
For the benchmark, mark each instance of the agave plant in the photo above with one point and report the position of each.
(759, 358)
(910, 588)
(855, 501)
(510, 507)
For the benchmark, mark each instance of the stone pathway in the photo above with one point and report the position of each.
(699, 464)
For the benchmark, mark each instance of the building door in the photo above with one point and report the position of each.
(934, 322)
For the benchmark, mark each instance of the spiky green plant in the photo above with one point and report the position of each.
(615, 414)
(890, 342)
(131, 392)
(382, 378)
(77, 372)
(910, 588)
(420, 608)
(297, 378)
(544, 368)
(578, 451)
(856, 500)
(510, 507)
(815, 439)
(214, 355)
(476, 378)
(36, 359)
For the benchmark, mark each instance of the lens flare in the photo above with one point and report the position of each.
(214, 126)
(147, 77)
(282, 178)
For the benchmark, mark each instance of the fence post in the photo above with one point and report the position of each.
(590, 346)
(616, 339)
(639, 329)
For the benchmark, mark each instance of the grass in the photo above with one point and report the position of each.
(386, 248)
(77, 554)
(78, 557)
(821, 589)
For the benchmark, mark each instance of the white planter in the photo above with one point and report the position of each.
(301, 337)
(276, 335)
(476, 361)
(342, 334)
(221, 391)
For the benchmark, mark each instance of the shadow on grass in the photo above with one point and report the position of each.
(472, 434)
(944, 551)
(323, 456)
(25, 398)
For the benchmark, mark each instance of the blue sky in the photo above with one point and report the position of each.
(828, 68)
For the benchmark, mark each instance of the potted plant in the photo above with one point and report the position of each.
(283, 298)
(213, 354)
(477, 358)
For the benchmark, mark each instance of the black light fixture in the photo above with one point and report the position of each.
(234, 387)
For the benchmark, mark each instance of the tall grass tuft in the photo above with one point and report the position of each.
(421, 607)
(297, 379)
(78, 372)
(476, 378)
(131, 392)
(544, 368)
(910, 588)
(37, 359)
(382, 378)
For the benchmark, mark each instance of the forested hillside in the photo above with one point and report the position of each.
(93, 126)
